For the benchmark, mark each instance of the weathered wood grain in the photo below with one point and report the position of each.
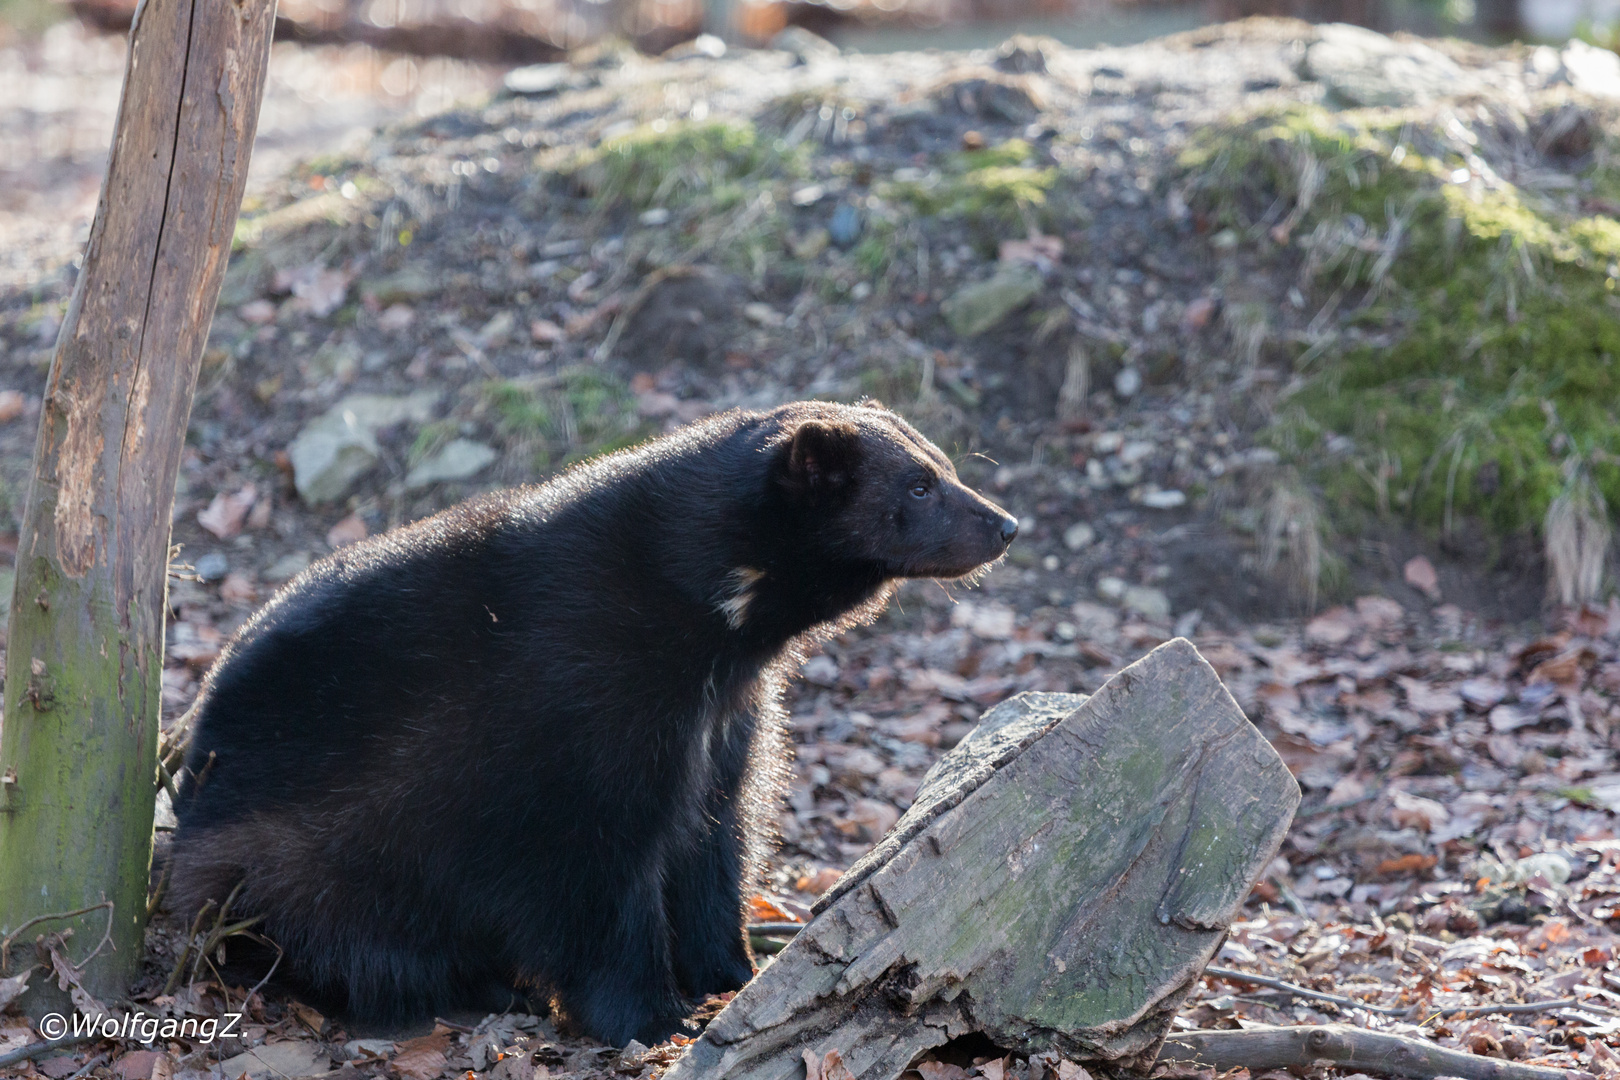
(1061, 881)
(84, 663)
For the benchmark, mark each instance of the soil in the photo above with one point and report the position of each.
(560, 301)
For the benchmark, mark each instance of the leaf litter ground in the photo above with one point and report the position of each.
(559, 274)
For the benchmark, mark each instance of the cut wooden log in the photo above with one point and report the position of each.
(1059, 884)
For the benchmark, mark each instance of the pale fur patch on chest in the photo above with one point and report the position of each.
(738, 594)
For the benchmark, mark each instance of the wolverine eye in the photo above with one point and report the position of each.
(920, 491)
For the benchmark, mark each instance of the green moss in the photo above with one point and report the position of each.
(997, 186)
(664, 164)
(573, 415)
(1476, 352)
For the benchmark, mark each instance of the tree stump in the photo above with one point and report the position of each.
(1059, 884)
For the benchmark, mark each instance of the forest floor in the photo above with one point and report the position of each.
(1045, 258)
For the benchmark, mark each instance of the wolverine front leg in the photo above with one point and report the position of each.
(704, 885)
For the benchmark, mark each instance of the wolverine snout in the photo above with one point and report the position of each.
(1009, 529)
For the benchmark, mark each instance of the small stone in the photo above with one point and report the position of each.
(763, 314)
(1590, 70)
(458, 459)
(1150, 603)
(1167, 499)
(808, 195)
(991, 622)
(1078, 536)
(1363, 67)
(212, 566)
(1127, 381)
(546, 332)
(277, 1060)
(821, 670)
(497, 330)
(287, 567)
(658, 215)
(1197, 314)
(978, 307)
(1111, 588)
(846, 225)
(408, 284)
(335, 449)
(538, 80)
(12, 403)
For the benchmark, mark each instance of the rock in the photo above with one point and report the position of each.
(1127, 381)
(538, 80)
(1023, 54)
(845, 227)
(658, 215)
(1363, 67)
(804, 45)
(1148, 602)
(277, 1060)
(1111, 588)
(333, 450)
(978, 307)
(406, 285)
(1167, 499)
(287, 567)
(457, 460)
(1590, 70)
(368, 1049)
(212, 566)
(1078, 536)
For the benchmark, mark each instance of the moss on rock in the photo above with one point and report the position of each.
(1467, 364)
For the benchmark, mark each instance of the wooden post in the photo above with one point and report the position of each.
(85, 658)
(1060, 883)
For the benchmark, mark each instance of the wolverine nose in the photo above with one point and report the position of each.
(1009, 529)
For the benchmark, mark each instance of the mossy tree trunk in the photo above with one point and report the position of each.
(1059, 884)
(84, 664)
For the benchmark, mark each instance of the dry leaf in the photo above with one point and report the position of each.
(1421, 575)
(224, 515)
(348, 531)
(939, 1070)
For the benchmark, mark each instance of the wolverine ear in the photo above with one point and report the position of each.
(822, 456)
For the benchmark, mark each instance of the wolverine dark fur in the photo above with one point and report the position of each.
(536, 740)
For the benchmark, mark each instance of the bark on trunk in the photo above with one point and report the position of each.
(1059, 884)
(85, 659)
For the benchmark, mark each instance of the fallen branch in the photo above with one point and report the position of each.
(40, 1049)
(1372, 1051)
(1466, 1012)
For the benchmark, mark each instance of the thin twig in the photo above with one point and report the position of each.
(1264, 1048)
(185, 951)
(280, 952)
(95, 1059)
(156, 899)
(40, 1049)
(1466, 1012)
(1234, 975)
(5, 942)
(165, 782)
(776, 929)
